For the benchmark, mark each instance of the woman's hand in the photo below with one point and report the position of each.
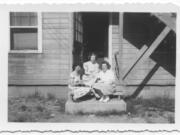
(100, 81)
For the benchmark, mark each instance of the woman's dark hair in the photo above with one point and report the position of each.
(107, 63)
(81, 72)
(75, 65)
(92, 54)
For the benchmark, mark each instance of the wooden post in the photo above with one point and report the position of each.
(121, 20)
(131, 65)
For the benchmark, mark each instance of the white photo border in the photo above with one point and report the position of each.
(81, 127)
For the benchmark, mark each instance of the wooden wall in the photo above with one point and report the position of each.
(53, 65)
(137, 33)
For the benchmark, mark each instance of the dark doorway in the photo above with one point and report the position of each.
(95, 32)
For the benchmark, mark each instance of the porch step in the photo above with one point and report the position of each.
(94, 106)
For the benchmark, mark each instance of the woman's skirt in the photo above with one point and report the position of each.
(106, 89)
(79, 92)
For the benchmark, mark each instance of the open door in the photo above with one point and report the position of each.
(96, 33)
(90, 35)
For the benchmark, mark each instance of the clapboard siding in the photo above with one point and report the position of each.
(56, 15)
(53, 65)
(128, 52)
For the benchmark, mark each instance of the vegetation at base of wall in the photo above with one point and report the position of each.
(149, 108)
(160, 103)
(51, 96)
(34, 107)
(40, 108)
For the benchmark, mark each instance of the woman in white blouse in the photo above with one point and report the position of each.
(105, 83)
(91, 69)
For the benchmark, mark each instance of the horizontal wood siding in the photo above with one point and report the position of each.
(129, 50)
(52, 66)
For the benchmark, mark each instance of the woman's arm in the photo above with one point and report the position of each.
(71, 80)
(85, 66)
(110, 77)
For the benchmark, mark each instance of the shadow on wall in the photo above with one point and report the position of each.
(142, 29)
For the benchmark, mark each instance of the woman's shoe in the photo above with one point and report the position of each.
(106, 99)
(95, 94)
(101, 99)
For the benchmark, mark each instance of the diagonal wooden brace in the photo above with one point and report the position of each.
(148, 52)
(165, 18)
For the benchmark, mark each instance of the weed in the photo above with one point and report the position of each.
(171, 119)
(51, 96)
(35, 95)
(23, 108)
(40, 108)
(165, 104)
(61, 103)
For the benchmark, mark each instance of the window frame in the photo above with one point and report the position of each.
(39, 34)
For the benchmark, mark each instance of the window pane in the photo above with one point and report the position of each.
(23, 19)
(81, 37)
(81, 28)
(76, 36)
(24, 39)
(79, 17)
(76, 25)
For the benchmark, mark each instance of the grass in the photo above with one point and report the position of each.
(152, 108)
(35, 95)
(31, 108)
(36, 107)
(61, 103)
(171, 119)
(51, 96)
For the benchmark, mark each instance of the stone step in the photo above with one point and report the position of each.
(93, 106)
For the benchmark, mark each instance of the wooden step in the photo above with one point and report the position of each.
(93, 106)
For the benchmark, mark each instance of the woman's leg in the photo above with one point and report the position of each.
(106, 99)
(98, 92)
(102, 97)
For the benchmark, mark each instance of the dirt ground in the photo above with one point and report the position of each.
(36, 108)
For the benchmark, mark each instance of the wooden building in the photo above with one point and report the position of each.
(141, 48)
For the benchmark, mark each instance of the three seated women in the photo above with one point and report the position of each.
(98, 81)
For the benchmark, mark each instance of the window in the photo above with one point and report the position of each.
(78, 28)
(25, 32)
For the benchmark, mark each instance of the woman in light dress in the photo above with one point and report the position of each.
(91, 69)
(105, 82)
(76, 85)
(75, 76)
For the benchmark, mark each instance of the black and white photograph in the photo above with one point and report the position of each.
(91, 67)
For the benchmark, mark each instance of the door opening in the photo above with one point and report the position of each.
(95, 26)
(90, 35)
